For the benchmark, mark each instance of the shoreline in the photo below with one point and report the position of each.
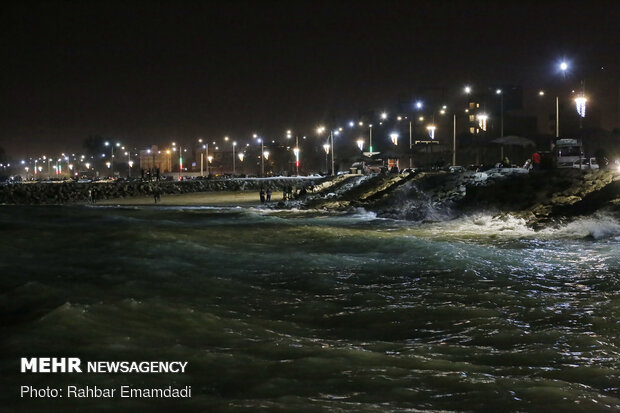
(215, 198)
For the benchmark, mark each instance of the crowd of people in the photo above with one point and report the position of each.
(288, 193)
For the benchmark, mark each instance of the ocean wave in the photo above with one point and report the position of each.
(598, 226)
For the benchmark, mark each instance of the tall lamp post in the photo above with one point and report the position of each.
(326, 149)
(501, 99)
(454, 139)
(331, 140)
(295, 150)
(234, 144)
(202, 158)
(563, 68)
(129, 162)
(106, 143)
(262, 155)
(241, 155)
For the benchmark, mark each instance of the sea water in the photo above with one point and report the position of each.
(302, 311)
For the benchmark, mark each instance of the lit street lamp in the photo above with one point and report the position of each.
(431, 131)
(331, 148)
(262, 155)
(326, 149)
(394, 138)
(106, 143)
(234, 144)
(295, 150)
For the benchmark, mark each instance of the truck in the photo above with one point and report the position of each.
(568, 152)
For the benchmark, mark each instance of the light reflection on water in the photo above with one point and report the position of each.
(294, 310)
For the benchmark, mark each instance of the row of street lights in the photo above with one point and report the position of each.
(206, 158)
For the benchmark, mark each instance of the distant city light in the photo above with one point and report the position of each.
(384, 115)
(360, 143)
(418, 104)
(563, 66)
(468, 89)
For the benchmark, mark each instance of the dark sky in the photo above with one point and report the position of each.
(149, 72)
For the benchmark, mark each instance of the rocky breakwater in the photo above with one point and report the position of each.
(74, 192)
(540, 197)
(546, 197)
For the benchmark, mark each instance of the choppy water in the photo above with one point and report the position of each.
(299, 311)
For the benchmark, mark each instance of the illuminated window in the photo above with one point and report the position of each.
(472, 130)
(472, 105)
(477, 105)
(472, 118)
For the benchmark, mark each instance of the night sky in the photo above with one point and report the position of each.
(147, 73)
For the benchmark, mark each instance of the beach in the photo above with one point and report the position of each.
(222, 198)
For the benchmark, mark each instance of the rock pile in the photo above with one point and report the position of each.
(74, 192)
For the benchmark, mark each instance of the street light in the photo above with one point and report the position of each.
(360, 144)
(431, 131)
(501, 97)
(320, 130)
(326, 149)
(394, 138)
(563, 68)
(106, 143)
(262, 150)
(234, 144)
(129, 162)
(289, 135)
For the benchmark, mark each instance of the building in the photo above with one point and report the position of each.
(152, 159)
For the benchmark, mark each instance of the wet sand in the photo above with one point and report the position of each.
(224, 198)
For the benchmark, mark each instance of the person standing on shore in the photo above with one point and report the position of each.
(157, 195)
(262, 195)
(536, 161)
(90, 196)
(268, 194)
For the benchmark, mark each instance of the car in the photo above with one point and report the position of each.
(456, 169)
(587, 163)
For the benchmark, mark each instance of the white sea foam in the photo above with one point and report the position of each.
(598, 226)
